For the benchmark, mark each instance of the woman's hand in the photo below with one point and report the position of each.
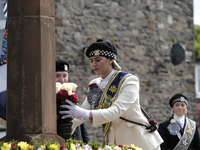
(74, 111)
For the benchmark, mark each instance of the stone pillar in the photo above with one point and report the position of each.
(31, 98)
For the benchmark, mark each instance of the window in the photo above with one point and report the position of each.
(197, 79)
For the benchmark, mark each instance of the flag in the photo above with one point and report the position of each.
(3, 78)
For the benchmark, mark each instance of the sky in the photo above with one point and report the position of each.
(196, 12)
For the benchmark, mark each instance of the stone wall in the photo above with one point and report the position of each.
(143, 32)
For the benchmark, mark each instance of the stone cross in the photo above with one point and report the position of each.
(31, 98)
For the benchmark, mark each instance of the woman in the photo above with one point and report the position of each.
(113, 95)
(179, 132)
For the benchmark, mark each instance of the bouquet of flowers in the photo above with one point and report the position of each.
(65, 91)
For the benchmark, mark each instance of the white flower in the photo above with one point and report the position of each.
(117, 148)
(86, 147)
(172, 121)
(58, 87)
(107, 147)
(73, 86)
(78, 146)
(69, 87)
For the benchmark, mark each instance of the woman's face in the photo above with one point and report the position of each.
(101, 65)
(62, 77)
(180, 108)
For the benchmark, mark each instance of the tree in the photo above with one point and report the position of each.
(197, 40)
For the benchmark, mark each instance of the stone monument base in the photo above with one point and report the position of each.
(28, 137)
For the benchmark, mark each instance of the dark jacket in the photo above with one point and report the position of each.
(81, 134)
(170, 141)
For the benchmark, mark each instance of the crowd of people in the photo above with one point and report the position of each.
(113, 101)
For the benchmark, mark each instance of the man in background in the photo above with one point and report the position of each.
(62, 68)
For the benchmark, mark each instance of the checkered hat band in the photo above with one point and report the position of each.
(180, 99)
(102, 53)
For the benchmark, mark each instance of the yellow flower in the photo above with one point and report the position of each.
(80, 148)
(42, 146)
(72, 146)
(54, 147)
(135, 148)
(30, 147)
(58, 86)
(6, 146)
(23, 145)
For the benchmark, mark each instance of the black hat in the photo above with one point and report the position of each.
(178, 98)
(62, 65)
(102, 48)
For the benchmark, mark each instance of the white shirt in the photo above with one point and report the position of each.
(180, 120)
(105, 81)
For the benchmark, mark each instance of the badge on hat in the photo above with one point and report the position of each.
(65, 68)
(96, 53)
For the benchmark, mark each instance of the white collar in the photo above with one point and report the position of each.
(105, 81)
(180, 120)
(109, 76)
